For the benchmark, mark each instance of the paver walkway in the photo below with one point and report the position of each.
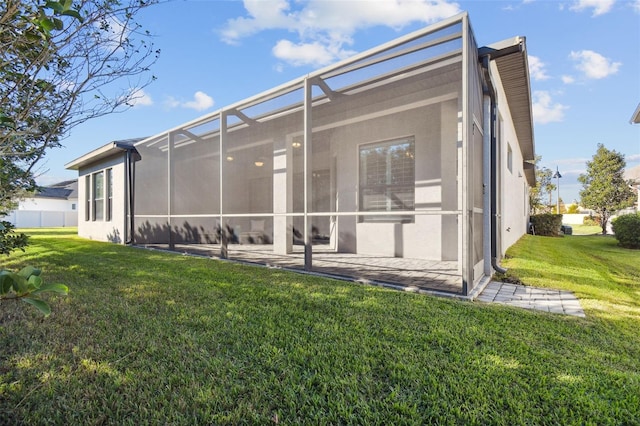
(541, 299)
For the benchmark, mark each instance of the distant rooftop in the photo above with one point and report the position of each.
(62, 190)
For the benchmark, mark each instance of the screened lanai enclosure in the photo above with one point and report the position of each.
(371, 169)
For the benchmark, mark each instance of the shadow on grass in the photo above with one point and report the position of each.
(148, 337)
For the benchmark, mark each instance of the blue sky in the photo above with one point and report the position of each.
(584, 63)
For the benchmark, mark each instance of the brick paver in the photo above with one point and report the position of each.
(541, 299)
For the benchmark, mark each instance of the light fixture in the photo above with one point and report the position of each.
(229, 157)
(557, 175)
(259, 162)
(296, 144)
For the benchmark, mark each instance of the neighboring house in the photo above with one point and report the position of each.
(633, 174)
(420, 150)
(50, 206)
(635, 118)
(104, 176)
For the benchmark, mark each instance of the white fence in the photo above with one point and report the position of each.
(573, 219)
(42, 219)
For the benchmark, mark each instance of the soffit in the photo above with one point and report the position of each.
(510, 57)
(105, 151)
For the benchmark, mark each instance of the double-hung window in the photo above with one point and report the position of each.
(387, 179)
(98, 196)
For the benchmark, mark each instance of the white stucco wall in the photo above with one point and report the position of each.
(514, 189)
(104, 230)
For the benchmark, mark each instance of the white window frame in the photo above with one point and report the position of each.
(389, 186)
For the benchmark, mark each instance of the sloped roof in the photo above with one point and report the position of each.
(635, 118)
(633, 174)
(105, 151)
(65, 190)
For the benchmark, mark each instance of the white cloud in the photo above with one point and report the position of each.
(632, 158)
(537, 68)
(600, 7)
(567, 162)
(263, 15)
(140, 98)
(200, 102)
(636, 5)
(545, 110)
(593, 65)
(568, 79)
(314, 53)
(112, 32)
(325, 27)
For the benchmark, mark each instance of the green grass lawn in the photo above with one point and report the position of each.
(586, 229)
(147, 337)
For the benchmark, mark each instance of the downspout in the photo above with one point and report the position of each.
(130, 195)
(489, 106)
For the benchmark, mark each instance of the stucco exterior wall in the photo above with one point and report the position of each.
(514, 189)
(104, 230)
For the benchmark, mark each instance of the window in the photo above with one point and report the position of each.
(387, 179)
(98, 196)
(509, 158)
(109, 194)
(87, 198)
(73, 206)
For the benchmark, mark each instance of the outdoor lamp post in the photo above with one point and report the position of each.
(557, 175)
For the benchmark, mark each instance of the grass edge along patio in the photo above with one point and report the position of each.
(409, 163)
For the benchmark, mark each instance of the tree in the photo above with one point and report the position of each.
(544, 185)
(604, 187)
(10, 240)
(59, 65)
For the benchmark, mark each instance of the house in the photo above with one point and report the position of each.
(409, 164)
(50, 206)
(635, 118)
(633, 175)
(104, 179)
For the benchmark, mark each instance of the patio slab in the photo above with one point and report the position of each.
(540, 299)
(405, 274)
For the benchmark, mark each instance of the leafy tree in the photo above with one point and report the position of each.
(10, 240)
(604, 188)
(544, 185)
(59, 62)
(573, 208)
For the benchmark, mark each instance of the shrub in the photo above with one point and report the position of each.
(573, 209)
(26, 284)
(9, 240)
(627, 230)
(547, 224)
(591, 220)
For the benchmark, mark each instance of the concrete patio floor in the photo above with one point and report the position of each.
(414, 275)
(540, 299)
(403, 274)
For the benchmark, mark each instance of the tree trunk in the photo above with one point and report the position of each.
(604, 219)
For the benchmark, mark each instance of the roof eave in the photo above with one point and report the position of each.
(105, 151)
(510, 57)
(635, 118)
